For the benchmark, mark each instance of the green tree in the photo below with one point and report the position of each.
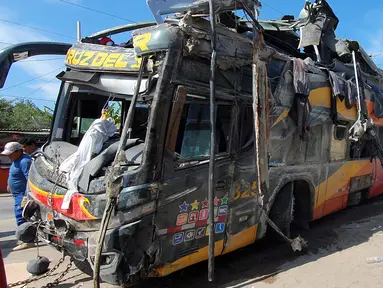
(5, 112)
(114, 112)
(24, 114)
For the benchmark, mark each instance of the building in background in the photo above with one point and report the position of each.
(8, 135)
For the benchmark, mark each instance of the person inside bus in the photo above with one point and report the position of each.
(17, 182)
(29, 146)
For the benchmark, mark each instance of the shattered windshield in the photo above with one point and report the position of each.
(81, 112)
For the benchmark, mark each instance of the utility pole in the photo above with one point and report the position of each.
(78, 30)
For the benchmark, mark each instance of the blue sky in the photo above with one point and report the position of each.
(357, 22)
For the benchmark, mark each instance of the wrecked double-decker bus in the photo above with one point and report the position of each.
(318, 127)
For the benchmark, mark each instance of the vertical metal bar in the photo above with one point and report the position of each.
(212, 142)
(113, 184)
(78, 30)
(357, 84)
(125, 134)
(260, 108)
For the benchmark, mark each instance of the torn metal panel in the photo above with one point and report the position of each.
(159, 7)
(233, 49)
(321, 23)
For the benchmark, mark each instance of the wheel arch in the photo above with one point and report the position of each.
(309, 189)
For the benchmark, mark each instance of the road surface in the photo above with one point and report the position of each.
(339, 245)
(6, 207)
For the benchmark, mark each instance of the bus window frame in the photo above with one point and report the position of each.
(180, 99)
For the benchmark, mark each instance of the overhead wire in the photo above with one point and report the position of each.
(272, 8)
(6, 43)
(42, 86)
(24, 98)
(22, 83)
(97, 11)
(36, 28)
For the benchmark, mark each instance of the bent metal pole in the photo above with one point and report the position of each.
(113, 178)
(212, 142)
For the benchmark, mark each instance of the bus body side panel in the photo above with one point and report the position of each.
(338, 183)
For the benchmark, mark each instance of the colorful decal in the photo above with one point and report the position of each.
(219, 228)
(189, 235)
(182, 219)
(223, 210)
(245, 191)
(224, 200)
(142, 41)
(184, 207)
(203, 214)
(178, 238)
(193, 217)
(96, 59)
(205, 203)
(192, 223)
(200, 233)
(78, 207)
(195, 205)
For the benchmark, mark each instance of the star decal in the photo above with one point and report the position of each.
(224, 200)
(184, 207)
(205, 203)
(216, 201)
(195, 205)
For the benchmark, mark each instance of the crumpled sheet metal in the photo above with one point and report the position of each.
(233, 49)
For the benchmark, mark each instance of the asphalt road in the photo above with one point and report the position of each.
(6, 207)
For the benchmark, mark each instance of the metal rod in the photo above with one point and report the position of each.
(104, 225)
(129, 117)
(78, 30)
(112, 182)
(357, 83)
(212, 142)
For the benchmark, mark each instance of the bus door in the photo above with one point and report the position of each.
(243, 207)
(182, 213)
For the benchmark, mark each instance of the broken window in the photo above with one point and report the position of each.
(247, 135)
(193, 139)
(88, 107)
(361, 149)
(88, 110)
(274, 70)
